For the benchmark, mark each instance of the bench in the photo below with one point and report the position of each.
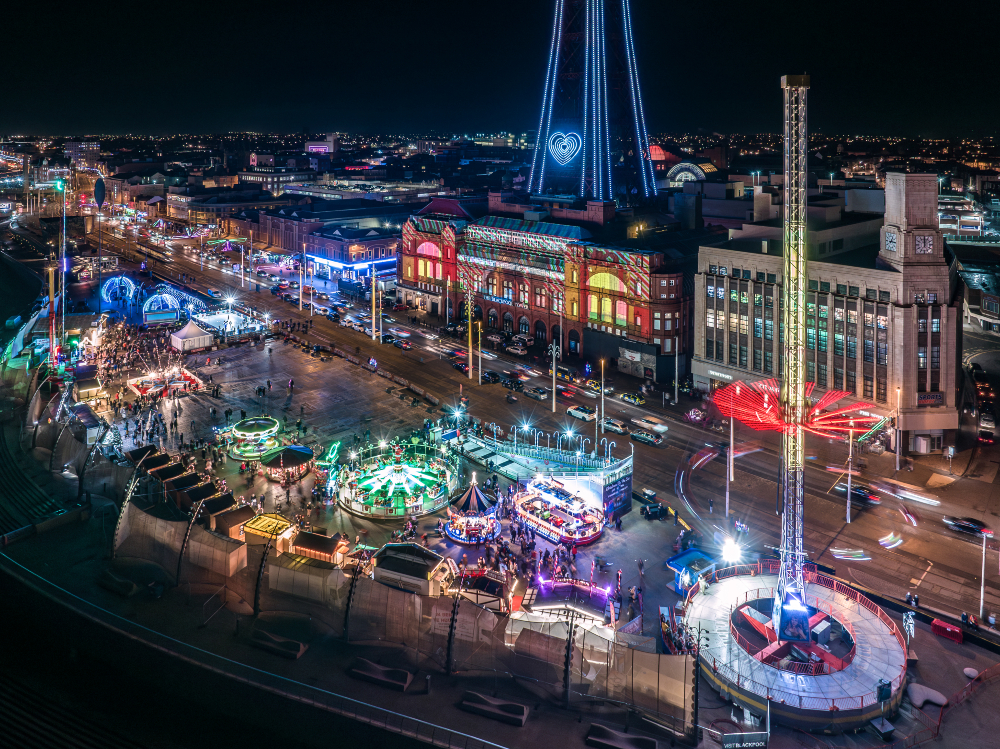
(491, 707)
(283, 646)
(394, 678)
(604, 737)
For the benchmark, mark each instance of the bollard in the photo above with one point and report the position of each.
(428, 680)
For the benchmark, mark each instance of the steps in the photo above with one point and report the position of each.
(21, 500)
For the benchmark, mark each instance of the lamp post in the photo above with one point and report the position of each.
(554, 350)
(850, 466)
(729, 453)
(899, 432)
(479, 329)
(602, 400)
(982, 580)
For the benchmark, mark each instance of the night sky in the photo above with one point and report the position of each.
(878, 67)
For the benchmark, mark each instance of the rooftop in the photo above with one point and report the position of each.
(862, 257)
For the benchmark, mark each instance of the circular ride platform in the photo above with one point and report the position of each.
(253, 437)
(832, 688)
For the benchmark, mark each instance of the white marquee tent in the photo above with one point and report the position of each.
(191, 338)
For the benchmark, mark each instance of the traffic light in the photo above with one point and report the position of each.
(59, 184)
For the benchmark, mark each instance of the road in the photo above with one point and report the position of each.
(939, 564)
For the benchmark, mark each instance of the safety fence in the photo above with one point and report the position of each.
(573, 659)
(773, 694)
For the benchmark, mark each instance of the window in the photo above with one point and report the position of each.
(671, 281)
(760, 277)
(883, 322)
(722, 270)
(883, 296)
(540, 297)
(880, 391)
(852, 347)
(768, 361)
(869, 319)
(811, 371)
(921, 324)
(709, 349)
(918, 298)
(663, 282)
(734, 295)
(851, 385)
(821, 344)
(824, 285)
(870, 294)
(824, 312)
(576, 276)
(576, 309)
(991, 305)
(868, 383)
(746, 273)
(852, 316)
(813, 286)
(743, 297)
(853, 291)
(733, 322)
(935, 357)
(883, 353)
(769, 330)
(757, 361)
(523, 293)
(508, 290)
(935, 325)
(758, 300)
(758, 328)
(931, 298)
(718, 350)
(709, 319)
(621, 312)
(710, 291)
(744, 325)
(769, 301)
(869, 351)
(711, 269)
(821, 375)
(743, 357)
(771, 278)
(838, 314)
(732, 353)
(605, 309)
(841, 289)
(811, 339)
(811, 309)
(838, 344)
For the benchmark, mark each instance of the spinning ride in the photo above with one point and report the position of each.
(397, 480)
(472, 517)
(253, 437)
(557, 515)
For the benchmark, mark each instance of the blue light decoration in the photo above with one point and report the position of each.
(579, 117)
(161, 302)
(118, 287)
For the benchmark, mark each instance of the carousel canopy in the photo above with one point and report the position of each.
(473, 500)
(291, 456)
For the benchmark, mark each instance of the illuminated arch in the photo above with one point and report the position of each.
(607, 282)
(119, 287)
(160, 302)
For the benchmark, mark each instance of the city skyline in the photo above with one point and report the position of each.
(391, 70)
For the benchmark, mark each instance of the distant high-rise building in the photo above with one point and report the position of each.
(83, 153)
(592, 139)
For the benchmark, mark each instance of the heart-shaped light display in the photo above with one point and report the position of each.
(564, 146)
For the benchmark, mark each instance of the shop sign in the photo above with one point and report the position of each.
(497, 299)
(744, 740)
(631, 355)
(930, 399)
(713, 373)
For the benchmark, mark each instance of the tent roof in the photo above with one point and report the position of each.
(473, 500)
(291, 456)
(189, 331)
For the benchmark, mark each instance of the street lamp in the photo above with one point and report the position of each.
(602, 401)
(554, 350)
(731, 551)
(899, 432)
(850, 466)
(479, 328)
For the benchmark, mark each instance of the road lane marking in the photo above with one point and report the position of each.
(916, 584)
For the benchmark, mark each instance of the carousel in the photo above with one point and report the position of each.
(396, 480)
(558, 515)
(288, 463)
(251, 438)
(472, 517)
(164, 383)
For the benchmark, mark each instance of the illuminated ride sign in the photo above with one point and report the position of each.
(564, 147)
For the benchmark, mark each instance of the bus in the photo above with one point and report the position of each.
(566, 374)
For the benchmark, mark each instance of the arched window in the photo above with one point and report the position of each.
(605, 309)
(491, 319)
(540, 331)
(523, 325)
(508, 322)
(606, 282)
(430, 249)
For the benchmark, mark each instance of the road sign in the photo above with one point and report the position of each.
(99, 193)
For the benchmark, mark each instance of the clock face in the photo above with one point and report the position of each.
(890, 241)
(924, 245)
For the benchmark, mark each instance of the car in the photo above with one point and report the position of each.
(323, 296)
(487, 354)
(986, 436)
(517, 350)
(512, 383)
(490, 376)
(859, 493)
(405, 345)
(648, 422)
(333, 317)
(987, 419)
(976, 367)
(566, 391)
(970, 526)
(458, 353)
(584, 413)
(293, 284)
(274, 277)
(595, 385)
(634, 398)
(319, 309)
(388, 338)
(398, 307)
(275, 290)
(494, 338)
(461, 366)
(538, 394)
(613, 425)
(282, 284)
(647, 438)
(655, 511)
(400, 332)
(261, 274)
(214, 293)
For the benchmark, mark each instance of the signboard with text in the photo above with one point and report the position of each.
(757, 740)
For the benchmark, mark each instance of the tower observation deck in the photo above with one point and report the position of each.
(592, 140)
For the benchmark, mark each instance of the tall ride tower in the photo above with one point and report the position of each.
(793, 385)
(592, 139)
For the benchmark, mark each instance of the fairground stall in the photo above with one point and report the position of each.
(393, 480)
(559, 515)
(251, 438)
(472, 517)
(177, 379)
(288, 463)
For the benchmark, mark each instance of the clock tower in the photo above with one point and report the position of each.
(910, 236)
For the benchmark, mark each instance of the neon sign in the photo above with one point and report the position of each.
(564, 147)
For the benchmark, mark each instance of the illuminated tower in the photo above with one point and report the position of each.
(592, 139)
(793, 384)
